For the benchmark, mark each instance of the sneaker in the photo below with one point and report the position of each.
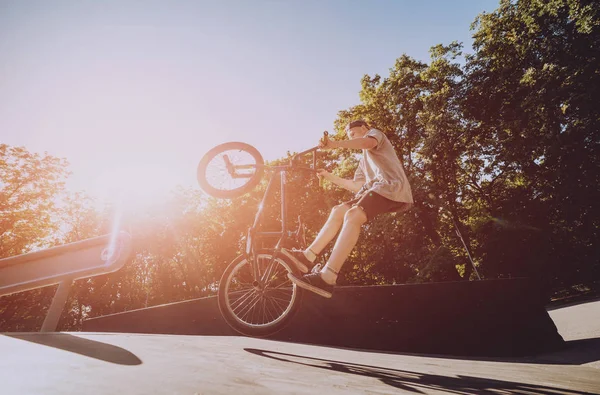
(313, 282)
(297, 256)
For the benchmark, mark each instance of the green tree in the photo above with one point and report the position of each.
(30, 186)
(533, 88)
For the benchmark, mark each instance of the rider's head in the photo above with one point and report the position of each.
(356, 129)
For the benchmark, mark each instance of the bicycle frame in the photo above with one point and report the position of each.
(284, 235)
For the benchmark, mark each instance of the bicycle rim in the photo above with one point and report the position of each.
(218, 177)
(260, 309)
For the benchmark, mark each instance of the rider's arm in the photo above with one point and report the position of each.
(359, 143)
(350, 185)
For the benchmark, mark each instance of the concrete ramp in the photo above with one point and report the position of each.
(477, 318)
(93, 363)
(111, 363)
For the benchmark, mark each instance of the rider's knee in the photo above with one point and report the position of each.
(356, 215)
(339, 211)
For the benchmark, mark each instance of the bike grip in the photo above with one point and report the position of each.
(325, 138)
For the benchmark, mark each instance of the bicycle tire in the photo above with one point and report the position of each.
(242, 326)
(206, 186)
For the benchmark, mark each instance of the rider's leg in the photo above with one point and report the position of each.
(304, 260)
(353, 221)
(365, 208)
(328, 231)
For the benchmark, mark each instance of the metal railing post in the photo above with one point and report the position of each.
(57, 306)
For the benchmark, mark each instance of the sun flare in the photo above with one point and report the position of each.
(135, 187)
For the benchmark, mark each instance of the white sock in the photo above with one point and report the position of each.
(310, 255)
(328, 276)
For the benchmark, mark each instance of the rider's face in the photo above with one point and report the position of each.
(357, 132)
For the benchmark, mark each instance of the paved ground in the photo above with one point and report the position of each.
(94, 363)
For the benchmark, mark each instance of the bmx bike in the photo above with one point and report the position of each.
(255, 295)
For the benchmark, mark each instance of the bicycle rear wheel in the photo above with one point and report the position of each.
(229, 170)
(254, 310)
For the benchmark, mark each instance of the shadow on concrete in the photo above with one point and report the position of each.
(574, 352)
(86, 347)
(417, 382)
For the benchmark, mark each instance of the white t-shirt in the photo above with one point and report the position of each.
(382, 171)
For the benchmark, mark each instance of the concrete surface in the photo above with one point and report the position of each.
(102, 363)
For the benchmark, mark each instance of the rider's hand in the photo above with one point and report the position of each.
(326, 143)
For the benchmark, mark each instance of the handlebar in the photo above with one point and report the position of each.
(231, 168)
(324, 140)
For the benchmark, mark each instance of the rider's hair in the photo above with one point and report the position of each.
(356, 123)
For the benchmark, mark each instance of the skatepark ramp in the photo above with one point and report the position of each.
(62, 265)
(479, 318)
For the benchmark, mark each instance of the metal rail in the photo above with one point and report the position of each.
(62, 265)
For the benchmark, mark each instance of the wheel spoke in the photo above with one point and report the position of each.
(217, 174)
(264, 317)
(250, 309)
(279, 301)
(246, 312)
(288, 283)
(276, 276)
(267, 272)
(275, 310)
(242, 298)
(243, 308)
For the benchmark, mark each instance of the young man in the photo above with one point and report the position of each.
(380, 186)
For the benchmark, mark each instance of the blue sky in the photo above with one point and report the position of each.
(124, 87)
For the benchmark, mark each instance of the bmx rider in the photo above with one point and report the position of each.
(380, 185)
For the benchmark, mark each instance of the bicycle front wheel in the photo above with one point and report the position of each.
(229, 170)
(258, 308)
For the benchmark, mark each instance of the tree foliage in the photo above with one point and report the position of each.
(501, 143)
